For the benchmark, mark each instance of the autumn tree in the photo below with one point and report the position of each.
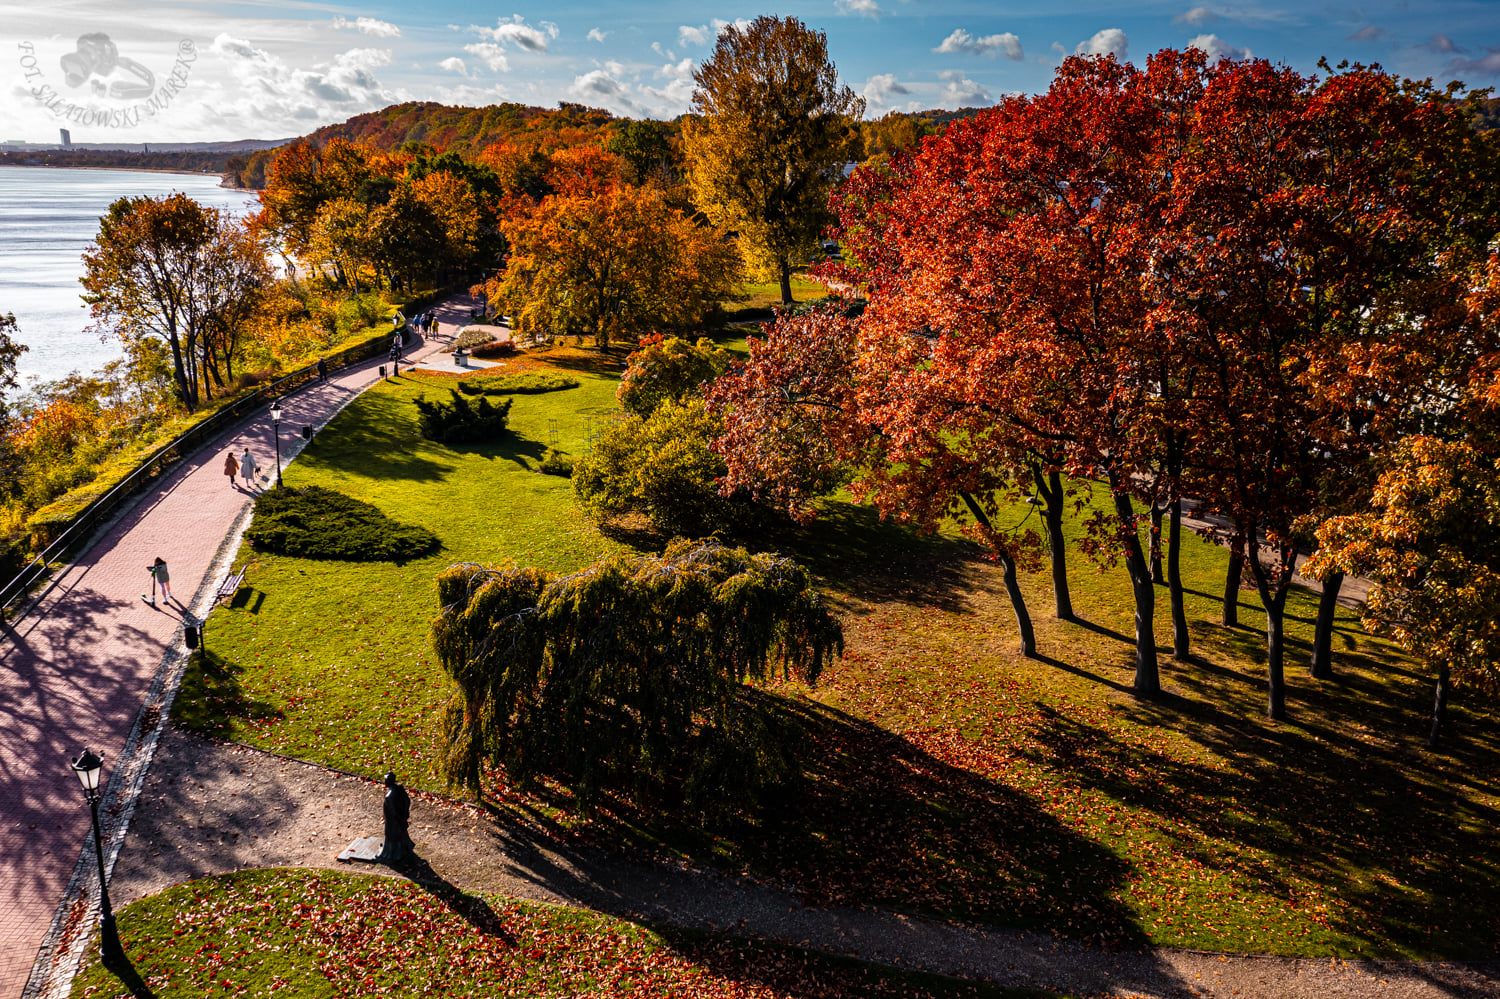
(172, 270)
(646, 146)
(340, 241)
(11, 350)
(1430, 543)
(614, 265)
(770, 130)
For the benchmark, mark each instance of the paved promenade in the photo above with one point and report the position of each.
(75, 669)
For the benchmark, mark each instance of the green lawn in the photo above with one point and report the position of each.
(318, 933)
(947, 774)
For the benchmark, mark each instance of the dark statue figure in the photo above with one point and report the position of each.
(398, 845)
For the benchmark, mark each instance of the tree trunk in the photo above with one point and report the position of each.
(1232, 579)
(1328, 603)
(1439, 706)
(1273, 597)
(1181, 640)
(1012, 584)
(1157, 576)
(1052, 495)
(1018, 604)
(1147, 676)
(784, 272)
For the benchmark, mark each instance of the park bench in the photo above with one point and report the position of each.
(231, 584)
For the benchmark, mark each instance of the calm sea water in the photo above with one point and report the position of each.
(47, 218)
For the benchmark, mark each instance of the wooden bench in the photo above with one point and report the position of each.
(231, 584)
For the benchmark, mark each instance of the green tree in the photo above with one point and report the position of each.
(646, 148)
(630, 674)
(661, 465)
(665, 368)
(771, 129)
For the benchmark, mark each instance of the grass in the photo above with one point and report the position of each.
(320, 933)
(947, 773)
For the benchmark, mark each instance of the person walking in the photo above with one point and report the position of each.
(231, 467)
(162, 579)
(247, 468)
(322, 369)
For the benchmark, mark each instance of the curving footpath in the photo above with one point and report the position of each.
(87, 661)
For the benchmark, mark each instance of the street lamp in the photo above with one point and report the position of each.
(276, 432)
(87, 767)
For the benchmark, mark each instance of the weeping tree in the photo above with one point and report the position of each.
(631, 675)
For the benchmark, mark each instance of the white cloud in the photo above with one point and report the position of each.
(490, 54)
(1216, 48)
(1442, 44)
(454, 64)
(516, 32)
(988, 45)
(677, 92)
(865, 8)
(961, 92)
(1110, 41)
(599, 88)
(687, 35)
(1368, 33)
(368, 26)
(1197, 16)
(1244, 13)
(267, 90)
(595, 35)
(720, 24)
(882, 89)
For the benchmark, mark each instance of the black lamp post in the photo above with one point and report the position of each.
(276, 432)
(87, 767)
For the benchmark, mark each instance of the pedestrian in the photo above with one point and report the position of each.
(247, 468)
(162, 579)
(231, 467)
(322, 369)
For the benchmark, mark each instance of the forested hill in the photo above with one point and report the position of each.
(443, 127)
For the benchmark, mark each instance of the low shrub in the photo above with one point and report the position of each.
(495, 348)
(525, 383)
(556, 462)
(462, 421)
(468, 339)
(314, 522)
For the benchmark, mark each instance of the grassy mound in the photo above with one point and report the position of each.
(316, 522)
(524, 383)
(323, 933)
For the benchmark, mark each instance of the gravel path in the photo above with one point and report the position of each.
(209, 808)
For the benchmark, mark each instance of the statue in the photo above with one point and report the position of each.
(397, 846)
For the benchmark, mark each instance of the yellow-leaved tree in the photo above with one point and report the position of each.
(615, 264)
(770, 130)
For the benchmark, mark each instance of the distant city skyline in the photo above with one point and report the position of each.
(253, 69)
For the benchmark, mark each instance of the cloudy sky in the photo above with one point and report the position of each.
(221, 69)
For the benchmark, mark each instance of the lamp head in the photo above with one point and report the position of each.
(88, 766)
(276, 411)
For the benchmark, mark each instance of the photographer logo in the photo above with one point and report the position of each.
(102, 87)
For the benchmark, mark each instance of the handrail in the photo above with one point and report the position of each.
(81, 527)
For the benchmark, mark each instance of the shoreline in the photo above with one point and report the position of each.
(133, 169)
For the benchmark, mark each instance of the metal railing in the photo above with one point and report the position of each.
(83, 525)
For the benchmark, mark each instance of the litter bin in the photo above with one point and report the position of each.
(306, 432)
(191, 635)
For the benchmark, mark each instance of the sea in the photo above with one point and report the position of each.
(48, 216)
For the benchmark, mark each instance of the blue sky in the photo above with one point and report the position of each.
(207, 69)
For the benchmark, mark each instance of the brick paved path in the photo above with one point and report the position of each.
(74, 670)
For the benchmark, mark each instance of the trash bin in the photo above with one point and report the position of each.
(190, 635)
(382, 371)
(306, 433)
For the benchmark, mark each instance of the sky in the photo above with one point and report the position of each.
(198, 70)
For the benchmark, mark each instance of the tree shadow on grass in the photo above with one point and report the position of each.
(873, 559)
(378, 441)
(876, 820)
(1393, 838)
(210, 700)
(590, 362)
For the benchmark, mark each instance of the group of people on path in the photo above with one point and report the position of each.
(245, 465)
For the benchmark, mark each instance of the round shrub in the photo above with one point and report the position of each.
(314, 522)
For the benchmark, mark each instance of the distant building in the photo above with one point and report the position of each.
(67, 136)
